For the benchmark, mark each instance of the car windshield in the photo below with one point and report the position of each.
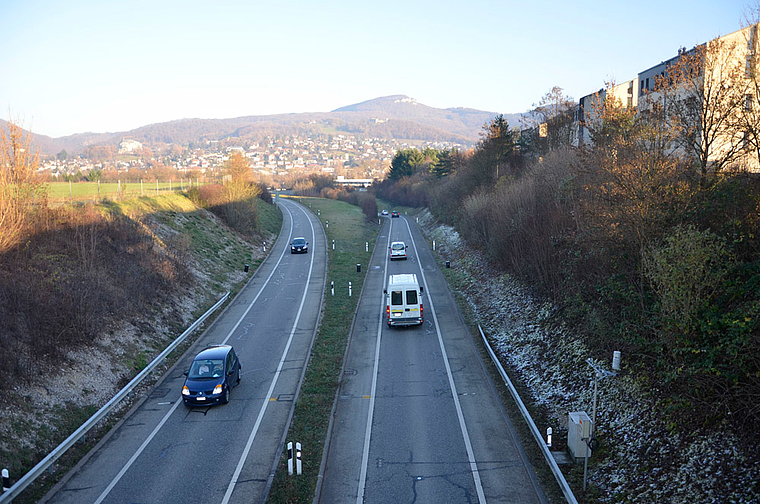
(397, 246)
(299, 241)
(206, 369)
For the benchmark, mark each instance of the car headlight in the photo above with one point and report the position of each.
(185, 390)
(218, 389)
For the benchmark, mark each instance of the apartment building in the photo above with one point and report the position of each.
(718, 80)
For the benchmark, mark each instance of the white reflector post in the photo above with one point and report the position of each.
(298, 459)
(290, 458)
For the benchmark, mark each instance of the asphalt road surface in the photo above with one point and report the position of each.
(165, 452)
(417, 419)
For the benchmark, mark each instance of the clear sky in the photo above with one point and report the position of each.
(73, 66)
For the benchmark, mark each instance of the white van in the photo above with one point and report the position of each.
(403, 304)
(398, 250)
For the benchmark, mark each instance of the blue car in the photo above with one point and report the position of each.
(211, 376)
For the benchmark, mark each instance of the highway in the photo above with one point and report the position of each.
(417, 418)
(166, 452)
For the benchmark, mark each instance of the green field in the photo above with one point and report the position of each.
(92, 191)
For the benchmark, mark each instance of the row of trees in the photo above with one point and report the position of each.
(647, 236)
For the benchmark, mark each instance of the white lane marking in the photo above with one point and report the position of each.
(249, 444)
(460, 415)
(371, 412)
(290, 234)
(137, 453)
(169, 413)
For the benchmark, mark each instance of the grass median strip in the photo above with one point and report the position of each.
(351, 232)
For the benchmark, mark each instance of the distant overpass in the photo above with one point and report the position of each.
(353, 182)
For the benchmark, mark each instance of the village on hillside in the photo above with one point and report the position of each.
(276, 160)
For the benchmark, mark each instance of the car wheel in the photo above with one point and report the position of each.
(226, 398)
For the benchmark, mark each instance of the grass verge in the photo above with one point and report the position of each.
(350, 230)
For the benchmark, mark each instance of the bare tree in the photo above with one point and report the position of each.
(240, 192)
(554, 116)
(703, 93)
(18, 182)
(633, 180)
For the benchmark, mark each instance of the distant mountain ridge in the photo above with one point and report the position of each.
(396, 116)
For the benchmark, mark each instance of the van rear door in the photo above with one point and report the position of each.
(404, 307)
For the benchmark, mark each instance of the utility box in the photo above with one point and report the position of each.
(578, 431)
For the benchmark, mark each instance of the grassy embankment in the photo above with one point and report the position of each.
(350, 230)
(32, 430)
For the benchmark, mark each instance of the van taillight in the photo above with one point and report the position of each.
(388, 311)
(420, 310)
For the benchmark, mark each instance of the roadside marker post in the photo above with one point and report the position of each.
(298, 459)
(290, 458)
(6, 480)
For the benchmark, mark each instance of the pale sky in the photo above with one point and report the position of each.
(74, 66)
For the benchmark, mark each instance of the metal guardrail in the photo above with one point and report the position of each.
(42, 466)
(569, 496)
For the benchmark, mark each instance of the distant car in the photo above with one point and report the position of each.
(211, 376)
(398, 250)
(299, 246)
(394, 214)
(384, 212)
